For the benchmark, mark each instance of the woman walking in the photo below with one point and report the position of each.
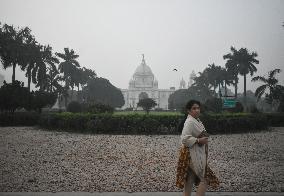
(192, 166)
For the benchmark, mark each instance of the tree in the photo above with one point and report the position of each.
(31, 57)
(146, 104)
(87, 74)
(178, 99)
(244, 62)
(31, 54)
(213, 105)
(100, 90)
(69, 68)
(13, 96)
(228, 78)
(44, 63)
(271, 84)
(42, 99)
(232, 67)
(281, 100)
(214, 75)
(11, 51)
(200, 89)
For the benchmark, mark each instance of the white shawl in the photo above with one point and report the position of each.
(191, 130)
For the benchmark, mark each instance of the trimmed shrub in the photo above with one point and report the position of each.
(19, 119)
(275, 119)
(152, 124)
(213, 105)
(239, 108)
(98, 108)
(74, 107)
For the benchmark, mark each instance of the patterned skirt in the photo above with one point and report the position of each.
(183, 168)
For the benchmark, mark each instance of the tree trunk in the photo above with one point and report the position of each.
(236, 87)
(29, 79)
(245, 92)
(65, 100)
(225, 89)
(51, 80)
(220, 94)
(72, 93)
(14, 73)
(78, 94)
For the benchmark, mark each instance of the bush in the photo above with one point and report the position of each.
(152, 124)
(234, 123)
(146, 104)
(19, 119)
(74, 107)
(239, 108)
(213, 105)
(253, 109)
(14, 96)
(275, 119)
(100, 108)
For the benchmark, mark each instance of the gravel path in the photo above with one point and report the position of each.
(32, 159)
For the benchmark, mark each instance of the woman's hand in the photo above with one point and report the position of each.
(203, 140)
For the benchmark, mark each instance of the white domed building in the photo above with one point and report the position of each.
(143, 84)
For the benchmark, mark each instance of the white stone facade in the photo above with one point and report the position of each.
(143, 84)
(1, 80)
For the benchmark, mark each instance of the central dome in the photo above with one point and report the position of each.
(143, 77)
(143, 69)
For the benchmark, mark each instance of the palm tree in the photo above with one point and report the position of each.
(228, 78)
(31, 55)
(270, 84)
(210, 73)
(232, 67)
(220, 78)
(216, 76)
(12, 42)
(45, 63)
(54, 79)
(245, 63)
(68, 67)
(87, 74)
(201, 87)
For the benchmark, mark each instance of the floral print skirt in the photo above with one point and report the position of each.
(183, 169)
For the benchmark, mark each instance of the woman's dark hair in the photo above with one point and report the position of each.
(190, 103)
(187, 107)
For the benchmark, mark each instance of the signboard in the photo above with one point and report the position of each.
(229, 103)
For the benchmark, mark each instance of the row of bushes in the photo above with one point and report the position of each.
(156, 124)
(107, 123)
(141, 124)
(19, 119)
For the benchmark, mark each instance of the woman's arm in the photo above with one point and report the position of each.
(186, 136)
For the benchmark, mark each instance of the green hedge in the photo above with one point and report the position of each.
(275, 119)
(141, 123)
(152, 124)
(235, 123)
(19, 119)
(115, 124)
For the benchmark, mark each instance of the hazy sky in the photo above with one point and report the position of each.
(111, 35)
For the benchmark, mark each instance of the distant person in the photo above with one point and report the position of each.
(193, 154)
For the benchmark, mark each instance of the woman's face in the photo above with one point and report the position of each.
(194, 111)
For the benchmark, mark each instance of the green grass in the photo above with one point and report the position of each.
(229, 114)
(143, 113)
(158, 113)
